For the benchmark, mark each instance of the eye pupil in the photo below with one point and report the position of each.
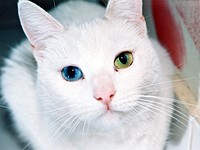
(71, 73)
(123, 58)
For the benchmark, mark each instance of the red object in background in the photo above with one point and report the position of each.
(169, 31)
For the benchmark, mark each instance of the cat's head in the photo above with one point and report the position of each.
(94, 73)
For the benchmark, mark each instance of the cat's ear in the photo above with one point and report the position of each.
(37, 24)
(130, 10)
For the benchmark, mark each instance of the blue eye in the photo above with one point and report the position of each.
(71, 73)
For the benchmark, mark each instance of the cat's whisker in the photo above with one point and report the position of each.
(75, 122)
(83, 132)
(61, 108)
(166, 98)
(71, 123)
(176, 114)
(69, 120)
(72, 130)
(63, 117)
(177, 103)
(159, 101)
(159, 115)
(59, 119)
(136, 95)
(183, 115)
(86, 127)
(166, 112)
(166, 82)
(134, 112)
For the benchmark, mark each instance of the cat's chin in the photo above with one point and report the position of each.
(108, 120)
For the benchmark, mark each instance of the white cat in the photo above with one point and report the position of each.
(89, 84)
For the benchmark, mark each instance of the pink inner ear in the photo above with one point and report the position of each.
(125, 9)
(138, 6)
(169, 31)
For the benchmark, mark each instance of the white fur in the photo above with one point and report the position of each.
(36, 98)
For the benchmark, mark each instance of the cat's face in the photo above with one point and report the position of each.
(93, 49)
(94, 74)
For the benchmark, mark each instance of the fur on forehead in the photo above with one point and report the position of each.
(96, 38)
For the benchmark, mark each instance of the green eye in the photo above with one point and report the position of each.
(123, 60)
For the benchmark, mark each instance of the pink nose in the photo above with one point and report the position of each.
(103, 89)
(104, 96)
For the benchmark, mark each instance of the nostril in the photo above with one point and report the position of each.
(99, 99)
(111, 96)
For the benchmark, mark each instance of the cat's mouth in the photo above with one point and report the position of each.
(112, 112)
